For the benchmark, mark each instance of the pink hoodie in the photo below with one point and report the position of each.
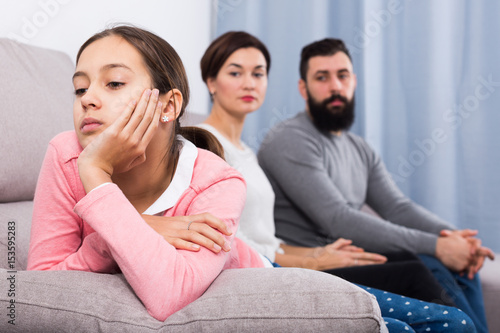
(102, 231)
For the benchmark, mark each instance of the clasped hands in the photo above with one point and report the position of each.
(460, 251)
(204, 230)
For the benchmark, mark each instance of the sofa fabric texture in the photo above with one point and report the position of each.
(247, 300)
(36, 104)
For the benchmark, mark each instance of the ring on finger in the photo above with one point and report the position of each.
(355, 261)
(189, 224)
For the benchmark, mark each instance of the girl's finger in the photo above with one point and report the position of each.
(206, 236)
(181, 244)
(152, 124)
(213, 222)
(147, 118)
(124, 117)
(140, 109)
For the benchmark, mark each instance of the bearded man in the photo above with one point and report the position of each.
(323, 175)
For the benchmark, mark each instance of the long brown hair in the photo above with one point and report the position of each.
(167, 73)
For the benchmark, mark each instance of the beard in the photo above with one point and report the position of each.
(331, 118)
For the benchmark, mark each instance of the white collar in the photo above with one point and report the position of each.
(181, 180)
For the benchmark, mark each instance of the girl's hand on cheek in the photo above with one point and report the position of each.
(122, 145)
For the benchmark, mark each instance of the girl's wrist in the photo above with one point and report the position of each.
(92, 176)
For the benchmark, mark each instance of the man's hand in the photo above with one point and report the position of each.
(454, 251)
(478, 252)
(204, 230)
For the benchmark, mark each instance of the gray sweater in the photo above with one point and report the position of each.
(321, 181)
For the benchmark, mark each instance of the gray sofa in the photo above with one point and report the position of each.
(36, 104)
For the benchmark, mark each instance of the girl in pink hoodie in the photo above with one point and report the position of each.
(128, 155)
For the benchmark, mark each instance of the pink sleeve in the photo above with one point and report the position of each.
(165, 279)
(56, 231)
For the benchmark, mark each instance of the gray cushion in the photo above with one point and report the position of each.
(243, 300)
(36, 104)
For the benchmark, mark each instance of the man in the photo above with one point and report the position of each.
(322, 175)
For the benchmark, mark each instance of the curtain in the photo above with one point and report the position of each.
(427, 97)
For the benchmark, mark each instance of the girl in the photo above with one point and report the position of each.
(235, 68)
(127, 156)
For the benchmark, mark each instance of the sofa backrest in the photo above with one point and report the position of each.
(36, 103)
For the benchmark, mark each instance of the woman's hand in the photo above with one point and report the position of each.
(342, 244)
(122, 145)
(338, 254)
(342, 254)
(204, 230)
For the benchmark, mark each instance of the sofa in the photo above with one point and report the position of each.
(36, 104)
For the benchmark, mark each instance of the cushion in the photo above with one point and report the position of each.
(243, 300)
(490, 282)
(36, 104)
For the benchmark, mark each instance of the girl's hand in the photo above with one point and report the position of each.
(204, 230)
(122, 145)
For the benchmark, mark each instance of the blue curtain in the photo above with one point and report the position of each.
(427, 97)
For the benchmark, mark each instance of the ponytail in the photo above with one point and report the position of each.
(202, 139)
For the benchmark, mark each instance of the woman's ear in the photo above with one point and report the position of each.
(211, 86)
(172, 105)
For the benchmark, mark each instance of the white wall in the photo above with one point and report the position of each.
(65, 24)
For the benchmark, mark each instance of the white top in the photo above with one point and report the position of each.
(257, 219)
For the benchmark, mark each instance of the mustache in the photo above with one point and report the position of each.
(334, 97)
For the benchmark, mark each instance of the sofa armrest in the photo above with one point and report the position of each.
(260, 299)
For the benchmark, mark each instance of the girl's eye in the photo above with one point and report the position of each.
(115, 85)
(80, 92)
(259, 74)
(235, 74)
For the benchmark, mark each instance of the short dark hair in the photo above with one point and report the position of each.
(225, 45)
(324, 47)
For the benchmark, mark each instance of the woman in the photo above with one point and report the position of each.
(235, 68)
(127, 156)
